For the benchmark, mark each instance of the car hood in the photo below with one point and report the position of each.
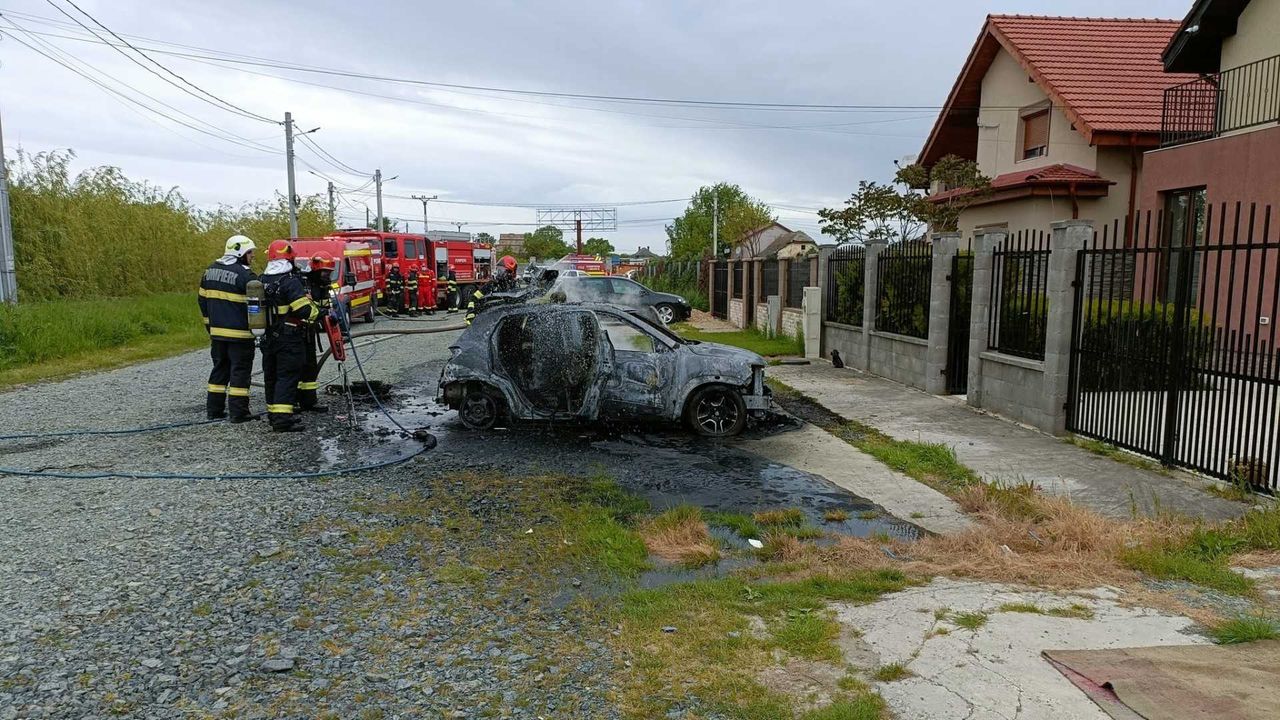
(725, 352)
(661, 297)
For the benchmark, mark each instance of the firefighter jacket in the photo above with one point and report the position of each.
(452, 282)
(288, 301)
(222, 301)
(502, 281)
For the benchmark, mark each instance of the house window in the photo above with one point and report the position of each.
(1035, 134)
(1185, 226)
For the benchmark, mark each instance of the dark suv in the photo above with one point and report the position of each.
(625, 292)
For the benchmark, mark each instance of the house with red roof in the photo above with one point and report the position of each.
(1058, 112)
(1221, 136)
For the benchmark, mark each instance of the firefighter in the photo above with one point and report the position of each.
(284, 346)
(395, 289)
(452, 289)
(319, 284)
(224, 307)
(411, 288)
(429, 290)
(504, 280)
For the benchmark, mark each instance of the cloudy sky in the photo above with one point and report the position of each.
(896, 59)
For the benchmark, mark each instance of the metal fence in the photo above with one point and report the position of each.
(1019, 307)
(1242, 97)
(738, 274)
(798, 274)
(902, 290)
(846, 273)
(1180, 361)
(768, 278)
(720, 295)
(961, 281)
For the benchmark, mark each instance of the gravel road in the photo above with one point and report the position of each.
(302, 598)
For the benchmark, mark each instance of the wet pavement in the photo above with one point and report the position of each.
(664, 464)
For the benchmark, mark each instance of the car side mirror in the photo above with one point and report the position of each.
(349, 279)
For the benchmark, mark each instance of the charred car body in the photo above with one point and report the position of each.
(584, 362)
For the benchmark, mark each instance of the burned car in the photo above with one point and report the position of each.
(587, 362)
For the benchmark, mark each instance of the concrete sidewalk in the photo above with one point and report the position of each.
(1003, 451)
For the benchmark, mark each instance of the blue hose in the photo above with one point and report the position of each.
(126, 431)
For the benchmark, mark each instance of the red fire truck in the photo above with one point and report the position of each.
(472, 263)
(356, 277)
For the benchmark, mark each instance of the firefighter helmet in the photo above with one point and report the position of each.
(323, 261)
(281, 250)
(509, 263)
(238, 245)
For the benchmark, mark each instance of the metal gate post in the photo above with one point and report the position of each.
(870, 299)
(984, 243)
(1177, 352)
(1069, 238)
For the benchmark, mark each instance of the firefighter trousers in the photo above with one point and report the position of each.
(232, 368)
(395, 297)
(308, 387)
(284, 357)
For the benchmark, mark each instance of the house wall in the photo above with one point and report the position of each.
(1005, 90)
(752, 247)
(800, 249)
(1257, 35)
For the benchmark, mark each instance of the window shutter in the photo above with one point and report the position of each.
(1035, 133)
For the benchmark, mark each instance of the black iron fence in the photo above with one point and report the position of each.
(904, 273)
(720, 296)
(738, 284)
(798, 274)
(687, 279)
(961, 282)
(1019, 309)
(1211, 105)
(768, 278)
(1179, 361)
(846, 273)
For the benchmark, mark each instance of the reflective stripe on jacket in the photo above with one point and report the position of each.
(223, 304)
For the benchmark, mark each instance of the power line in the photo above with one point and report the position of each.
(208, 97)
(328, 157)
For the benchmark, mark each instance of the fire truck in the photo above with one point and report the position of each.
(356, 278)
(472, 263)
(581, 265)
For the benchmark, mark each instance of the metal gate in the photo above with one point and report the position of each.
(961, 279)
(1174, 340)
(720, 295)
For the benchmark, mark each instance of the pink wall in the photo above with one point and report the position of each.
(1241, 167)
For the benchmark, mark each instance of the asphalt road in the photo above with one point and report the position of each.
(163, 598)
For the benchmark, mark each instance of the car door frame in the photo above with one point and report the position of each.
(625, 395)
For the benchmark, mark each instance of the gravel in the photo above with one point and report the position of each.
(256, 598)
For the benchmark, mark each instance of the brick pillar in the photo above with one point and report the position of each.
(1069, 238)
(870, 282)
(984, 243)
(935, 359)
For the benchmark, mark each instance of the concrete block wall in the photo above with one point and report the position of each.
(899, 358)
(792, 321)
(762, 317)
(737, 313)
(848, 340)
(1014, 387)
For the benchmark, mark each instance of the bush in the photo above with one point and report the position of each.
(1129, 344)
(679, 278)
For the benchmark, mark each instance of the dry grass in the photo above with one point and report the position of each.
(783, 547)
(680, 535)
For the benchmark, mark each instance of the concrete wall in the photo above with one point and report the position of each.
(848, 340)
(899, 358)
(1257, 35)
(1243, 168)
(1006, 92)
(737, 316)
(762, 317)
(792, 321)
(1014, 387)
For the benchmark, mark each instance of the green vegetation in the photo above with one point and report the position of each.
(891, 672)
(783, 517)
(459, 574)
(1111, 452)
(712, 647)
(969, 620)
(1203, 556)
(1245, 630)
(1174, 563)
(741, 524)
(41, 340)
(835, 516)
(689, 236)
(1075, 610)
(753, 340)
(680, 278)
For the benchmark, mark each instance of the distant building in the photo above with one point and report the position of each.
(773, 241)
(644, 253)
(510, 244)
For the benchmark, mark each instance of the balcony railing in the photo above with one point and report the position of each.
(1213, 105)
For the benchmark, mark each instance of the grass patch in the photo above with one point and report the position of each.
(753, 340)
(1245, 630)
(594, 540)
(969, 620)
(835, 516)
(891, 672)
(1175, 563)
(44, 340)
(785, 517)
(680, 535)
(601, 491)
(709, 657)
(862, 707)
(1073, 611)
(456, 573)
(740, 523)
(1111, 452)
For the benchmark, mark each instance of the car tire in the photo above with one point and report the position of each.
(716, 411)
(666, 313)
(481, 408)
(372, 316)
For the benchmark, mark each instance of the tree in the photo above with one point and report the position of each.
(597, 246)
(953, 173)
(484, 237)
(388, 225)
(874, 212)
(547, 242)
(689, 236)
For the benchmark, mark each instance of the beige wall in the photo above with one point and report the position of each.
(1257, 35)
(1005, 89)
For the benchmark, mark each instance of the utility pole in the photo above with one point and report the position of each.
(288, 158)
(426, 222)
(333, 209)
(715, 226)
(577, 226)
(377, 181)
(366, 217)
(459, 225)
(8, 265)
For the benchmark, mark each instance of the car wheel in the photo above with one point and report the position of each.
(666, 313)
(481, 409)
(716, 411)
(373, 311)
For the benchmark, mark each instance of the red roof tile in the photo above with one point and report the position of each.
(1061, 174)
(1105, 73)
(1108, 72)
